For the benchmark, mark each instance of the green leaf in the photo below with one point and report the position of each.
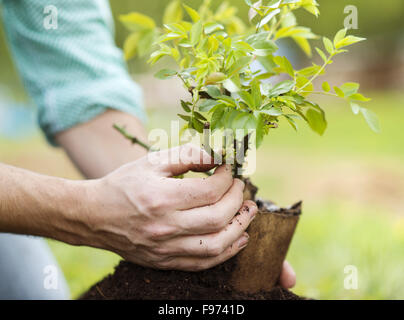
(264, 48)
(229, 118)
(173, 12)
(197, 125)
(192, 13)
(165, 74)
(310, 71)
(217, 118)
(268, 18)
(130, 45)
(312, 8)
(304, 45)
(199, 116)
(359, 97)
(208, 105)
(256, 93)
(317, 121)
(247, 98)
(239, 65)
(339, 36)
(321, 54)
(268, 63)
(136, 21)
(288, 67)
(273, 111)
(339, 92)
(213, 91)
(211, 27)
(372, 119)
(355, 108)
(146, 41)
(196, 33)
(328, 45)
(240, 120)
(326, 86)
(260, 131)
(186, 118)
(230, 85)
(349, 40)
(349, 88)
(251, 123)
(281, 88)
(291, 120)
(185, 106)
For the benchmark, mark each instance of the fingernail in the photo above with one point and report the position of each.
(243, 241)
(250, 209)
(253, 211)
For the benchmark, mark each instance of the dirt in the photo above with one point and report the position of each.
(133, 282)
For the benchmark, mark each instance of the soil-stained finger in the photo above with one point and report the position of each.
(212, 245)
(194, 264)
(211, 218)
(191, 193)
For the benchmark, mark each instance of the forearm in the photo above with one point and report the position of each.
(39, 205)
(97, 149)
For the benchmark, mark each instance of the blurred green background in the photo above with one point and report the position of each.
(351, 180)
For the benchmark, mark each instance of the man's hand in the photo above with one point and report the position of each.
(139, 211)
(150, 218)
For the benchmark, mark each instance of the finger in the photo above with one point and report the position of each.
(288, 276)
(194, 264)
(212, 218)
(198, 192)
(212, 245)
(180, 160)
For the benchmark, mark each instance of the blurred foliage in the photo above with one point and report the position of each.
(383, 24)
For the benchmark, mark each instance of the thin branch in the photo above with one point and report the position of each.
(314, 77)
(321, 92)
(133, 139)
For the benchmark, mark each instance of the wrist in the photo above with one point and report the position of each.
(76, 211)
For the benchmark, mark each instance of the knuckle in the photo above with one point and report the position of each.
(158, 232)
(215, 223)
(215, 250)
(165, 263)
(150, 204)
(211, 196)
(161, 251)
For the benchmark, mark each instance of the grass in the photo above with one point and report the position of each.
(352, 183)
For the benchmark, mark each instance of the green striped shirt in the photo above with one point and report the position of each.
(73, 72)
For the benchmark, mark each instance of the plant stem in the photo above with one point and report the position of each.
(317, 74)
(275, 27)
(133, 139)
(321, 92)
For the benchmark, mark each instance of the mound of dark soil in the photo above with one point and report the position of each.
(132, 282)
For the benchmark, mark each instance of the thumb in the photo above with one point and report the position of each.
(180, 160)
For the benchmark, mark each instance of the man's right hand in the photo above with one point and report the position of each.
(147, 216)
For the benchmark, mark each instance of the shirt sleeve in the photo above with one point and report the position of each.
(68, 61)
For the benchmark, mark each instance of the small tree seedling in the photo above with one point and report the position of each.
(229, 67)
